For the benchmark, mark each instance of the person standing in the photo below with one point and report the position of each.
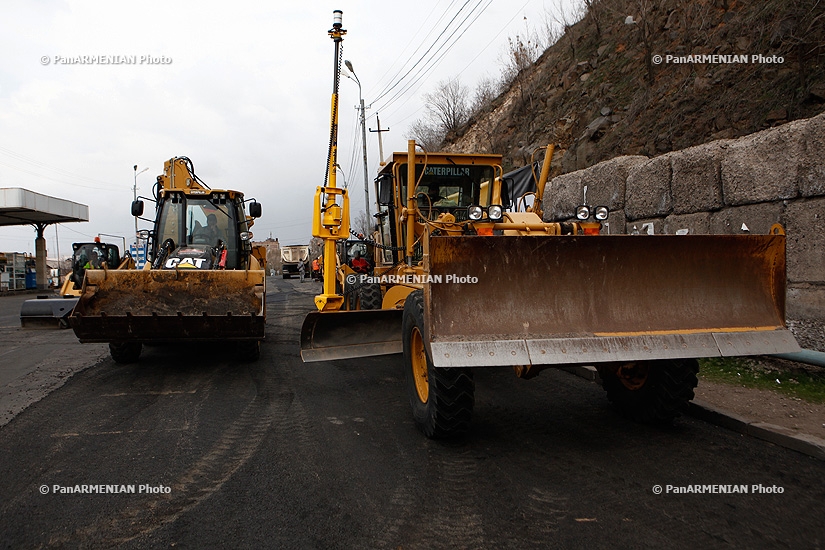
(302, 269)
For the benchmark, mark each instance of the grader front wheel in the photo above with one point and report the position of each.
(442, 399)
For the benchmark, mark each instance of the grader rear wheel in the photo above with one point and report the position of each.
(442, 399)
(654, 392)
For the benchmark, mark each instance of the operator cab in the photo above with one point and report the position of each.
(201, 232)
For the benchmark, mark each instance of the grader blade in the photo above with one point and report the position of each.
(170, 305)
(326, 336)
(545, 300)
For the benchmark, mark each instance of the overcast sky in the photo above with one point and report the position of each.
(241, 88)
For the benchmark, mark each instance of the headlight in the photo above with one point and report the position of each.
(475, 212)
(582, 212)
(601, 213)
(246, 235)
(494, 212)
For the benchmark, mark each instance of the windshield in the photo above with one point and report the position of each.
(451, 187)
(201, 221)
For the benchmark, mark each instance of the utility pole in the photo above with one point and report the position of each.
(134, 198)
(380, 156)
(380, 140)
(363, 141)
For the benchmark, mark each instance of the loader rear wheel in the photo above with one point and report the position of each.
(653, 392)
(125, 352)
(442, 398)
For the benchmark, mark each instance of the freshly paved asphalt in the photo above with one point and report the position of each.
(282, 454)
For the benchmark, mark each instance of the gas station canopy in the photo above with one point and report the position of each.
(22, 207)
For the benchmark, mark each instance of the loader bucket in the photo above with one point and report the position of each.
(326, 336)
(170, 305)
(548, 300)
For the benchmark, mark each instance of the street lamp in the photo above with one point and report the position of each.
(134, 194)
(363, 137)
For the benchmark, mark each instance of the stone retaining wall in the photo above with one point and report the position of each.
(724, 187)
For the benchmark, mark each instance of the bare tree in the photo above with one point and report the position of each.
(363, 225)
(447, 109)
(448, 104)
(486, 91)
(427, 134)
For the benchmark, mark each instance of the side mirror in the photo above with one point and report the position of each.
(506, 185)
(385, 189)
(137, 208)
(255, 209)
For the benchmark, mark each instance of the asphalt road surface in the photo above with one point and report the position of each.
(281, 454)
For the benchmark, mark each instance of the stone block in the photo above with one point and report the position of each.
(763, 166)
(615, 224)
(696, 224)
(605, 186)
(758, 218)
(805, 301)
(812, 167)
(696, 183)
(647, 193)
(642, 226)
(805, 228)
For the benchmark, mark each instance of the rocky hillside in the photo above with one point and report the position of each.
(602, 90)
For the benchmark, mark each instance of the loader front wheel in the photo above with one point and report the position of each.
(654, 392)
(125, 352)
(442, 398)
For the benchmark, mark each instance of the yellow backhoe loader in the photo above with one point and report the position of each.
(203, 280)
(465, 283)
(45, 312)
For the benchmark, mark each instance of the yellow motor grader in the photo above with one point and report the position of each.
(203, 279)
(465, 283)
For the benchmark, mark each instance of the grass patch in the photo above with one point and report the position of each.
(805, 383)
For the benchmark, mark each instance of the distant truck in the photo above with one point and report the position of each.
(291, 256)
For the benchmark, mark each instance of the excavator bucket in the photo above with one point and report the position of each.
(545, 300)
(170, 305)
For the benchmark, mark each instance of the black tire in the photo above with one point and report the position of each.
(286, 276)
(125, 352)
(663, 393)
(370, 294)
(249, 351)
(448, 407)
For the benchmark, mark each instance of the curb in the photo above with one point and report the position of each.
(807, 444)
(784, 437)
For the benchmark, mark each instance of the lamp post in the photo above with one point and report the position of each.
(134, 195)
(363, 139)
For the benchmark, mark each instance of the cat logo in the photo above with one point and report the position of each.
(185, 263)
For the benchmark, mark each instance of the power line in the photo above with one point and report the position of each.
(424, 55)
(44, 166)
(435, 62)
